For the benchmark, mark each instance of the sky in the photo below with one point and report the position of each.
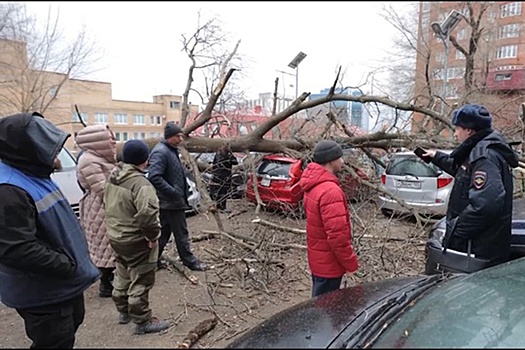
(142, 53)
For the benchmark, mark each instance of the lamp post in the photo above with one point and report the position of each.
(443, 30)
(295, 64)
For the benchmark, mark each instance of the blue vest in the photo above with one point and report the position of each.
(58, 227)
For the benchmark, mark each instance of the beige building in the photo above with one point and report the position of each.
(57, 97)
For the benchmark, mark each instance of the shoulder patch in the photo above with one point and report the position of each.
(480, 178)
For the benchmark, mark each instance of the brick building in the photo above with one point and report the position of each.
(57, 96)
(499, 63)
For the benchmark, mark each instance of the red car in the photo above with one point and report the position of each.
(277, 182)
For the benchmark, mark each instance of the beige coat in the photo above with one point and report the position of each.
(94, 167)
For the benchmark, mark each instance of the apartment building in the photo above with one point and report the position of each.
(499, 62)
(64, 101)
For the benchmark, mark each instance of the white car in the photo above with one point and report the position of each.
(66, 179)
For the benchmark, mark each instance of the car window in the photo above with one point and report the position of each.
(411, 165)
(274, 168)
(67, 160)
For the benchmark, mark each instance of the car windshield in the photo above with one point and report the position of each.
(66, 159)
(411, 165)
(481, 310)
(274, 168)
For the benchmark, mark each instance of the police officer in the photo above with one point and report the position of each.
(480, 204)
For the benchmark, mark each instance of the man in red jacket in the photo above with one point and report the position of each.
(328, 228)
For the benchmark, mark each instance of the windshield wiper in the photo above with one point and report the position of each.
(373, 323)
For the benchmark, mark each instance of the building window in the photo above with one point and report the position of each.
(509, 51)
(101, 118)
(142, 135)
(135, 135)
(509, 31)
(117, 136)
(511, 9)
(124, 136)
(152, 120)
(174, 105)
(139, 119)
(76, 119)
(119, 118)
(437, 74)
(440, 57)
(159, 120)
(451, 91)
(503, 76)
(455, 72)
(53, 92)
(243, 130)
(461, 34)
(426, 6)
(459, 55)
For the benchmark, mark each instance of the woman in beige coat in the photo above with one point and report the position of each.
(94, 166)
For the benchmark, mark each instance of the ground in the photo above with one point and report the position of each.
(249, 282)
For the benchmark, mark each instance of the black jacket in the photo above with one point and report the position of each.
(166, 172)
(222, 167)
(480, 204)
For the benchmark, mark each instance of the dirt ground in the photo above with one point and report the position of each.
(251, 279)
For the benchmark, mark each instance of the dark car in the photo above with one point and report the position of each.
(484, 309)
(277, 179)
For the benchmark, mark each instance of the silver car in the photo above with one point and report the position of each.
(424, 187)
(66, 179)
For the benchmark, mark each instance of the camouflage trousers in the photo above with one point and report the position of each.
(134, 278)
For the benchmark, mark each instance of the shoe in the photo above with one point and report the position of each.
(105, 291)
(154, 325)
(123, 318)
(198, 266)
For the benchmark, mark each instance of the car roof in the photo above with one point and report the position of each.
(281, 158)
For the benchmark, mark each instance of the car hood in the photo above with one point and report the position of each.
(330, 319)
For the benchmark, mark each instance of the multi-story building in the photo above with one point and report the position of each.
(498, 79)
(59, 98)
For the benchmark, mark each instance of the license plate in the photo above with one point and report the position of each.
(265, 182)
(409, 184)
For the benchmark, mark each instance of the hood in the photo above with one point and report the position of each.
(498, 142)
(315, 174)
(124, 171)
(96, 139)
(30, 143)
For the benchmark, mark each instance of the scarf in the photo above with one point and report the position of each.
(461, 152)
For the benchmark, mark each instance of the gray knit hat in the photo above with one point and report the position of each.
(171, 129)
(326, 151)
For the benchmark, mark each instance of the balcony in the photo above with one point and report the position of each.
(506, 80)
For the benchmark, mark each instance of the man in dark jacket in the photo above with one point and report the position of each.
(480, 204)
(44, 259)
(166, 173)
(221, 170)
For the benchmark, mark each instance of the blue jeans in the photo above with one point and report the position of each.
(322, 285)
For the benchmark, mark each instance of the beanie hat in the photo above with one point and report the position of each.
(472, 116)
(326, 151)
(171, 129)
(135, 152)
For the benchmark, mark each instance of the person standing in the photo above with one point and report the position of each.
(166, 173)
(221, 170)
(133, 226)
(328, 227)
(44, 258)
(480, 203)
(94, 166)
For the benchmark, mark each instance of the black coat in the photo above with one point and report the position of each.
(222, 167)
(480, 204)
(167, 174)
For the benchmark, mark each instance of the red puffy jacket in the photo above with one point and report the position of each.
(328, 226)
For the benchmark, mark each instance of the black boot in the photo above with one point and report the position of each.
(105, 288)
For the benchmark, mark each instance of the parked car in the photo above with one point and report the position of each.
(484, 309)
(423, 186)
(66, 179)
(517, 239)
(277, 181)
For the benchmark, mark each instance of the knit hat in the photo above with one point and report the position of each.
(135, 152)
(171, 129)
(472, 116)
(326, 151)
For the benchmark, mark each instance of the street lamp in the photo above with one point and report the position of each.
(295, 64)
(443, 30)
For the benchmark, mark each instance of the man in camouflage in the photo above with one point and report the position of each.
(133, 227)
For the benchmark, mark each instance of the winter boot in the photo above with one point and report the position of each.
(123, 318)
(153, 325)
(105, 288)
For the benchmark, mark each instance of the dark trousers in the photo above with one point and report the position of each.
(322, 285)
(220, 193)
(134, 278)
(54, 326)
(175, 221)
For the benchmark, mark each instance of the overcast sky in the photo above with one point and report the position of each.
(142, 48)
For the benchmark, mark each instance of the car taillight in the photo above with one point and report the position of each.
(383, 179)
(444, 182)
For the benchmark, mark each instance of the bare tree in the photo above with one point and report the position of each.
(45, 59)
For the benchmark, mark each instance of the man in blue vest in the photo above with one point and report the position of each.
(44, 259)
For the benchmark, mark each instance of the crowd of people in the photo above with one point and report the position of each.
(48, 257)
